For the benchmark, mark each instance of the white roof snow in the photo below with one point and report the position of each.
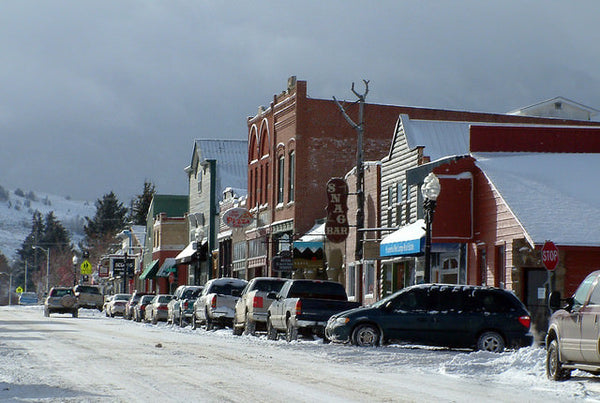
(554, 196)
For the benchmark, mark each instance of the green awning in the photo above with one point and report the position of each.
(150, 270)
(168, 267)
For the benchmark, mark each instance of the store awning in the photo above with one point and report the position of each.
(408, 240)
(312, 240)
(150, 270)
(168, 266)
(186, 255)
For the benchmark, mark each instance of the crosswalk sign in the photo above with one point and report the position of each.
(86, 267)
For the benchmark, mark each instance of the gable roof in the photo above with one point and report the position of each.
(554, 100)
(232, 162)
(554, 196)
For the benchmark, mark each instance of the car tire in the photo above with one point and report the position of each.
(271, 331)
(366, 335)
(250, 327)
(554, 368)
(208, 323)
(291, 332)
(491, 341)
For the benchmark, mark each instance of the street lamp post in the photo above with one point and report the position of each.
(430, 190)
(75, 262)
(47, 252)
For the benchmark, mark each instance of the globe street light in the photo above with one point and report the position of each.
(47, 252)
(430, 190)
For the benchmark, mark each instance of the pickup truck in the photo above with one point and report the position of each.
(251, 308)
(304, 306)
(216, 303)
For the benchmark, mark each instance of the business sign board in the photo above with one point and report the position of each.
(118, 266)
(237, 217)
(336, 226)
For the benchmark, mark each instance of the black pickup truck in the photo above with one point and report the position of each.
(304, 306)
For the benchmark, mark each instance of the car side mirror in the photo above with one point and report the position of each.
(554, 301)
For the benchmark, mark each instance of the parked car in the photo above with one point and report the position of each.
(89, 296)
(107, 299)
(483, 318)
(573, 333)
(157, 309)
(216, 303)
(61, 300)
(116, 305)
(251, 308)
(181, 303)
(304, 306)
(139, 310)
(28, 298)
(129, 307)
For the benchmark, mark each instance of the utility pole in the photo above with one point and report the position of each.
(360, 173)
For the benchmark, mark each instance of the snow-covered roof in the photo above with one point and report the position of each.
(440, 138)
(563, 100)
(554, 196)
(232, 162)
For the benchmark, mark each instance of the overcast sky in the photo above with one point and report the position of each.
(101, 95)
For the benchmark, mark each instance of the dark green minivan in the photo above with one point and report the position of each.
(462, 316)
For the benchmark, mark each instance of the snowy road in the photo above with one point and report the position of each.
(94, 358)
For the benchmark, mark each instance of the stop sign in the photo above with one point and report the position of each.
(550, 255)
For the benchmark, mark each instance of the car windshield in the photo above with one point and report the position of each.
(227, 289)
(317, 290)
(146, 299)
(61, 292)
(87, 289)
(164, 298)
(191, 293)
(122, 297)
(269, 285)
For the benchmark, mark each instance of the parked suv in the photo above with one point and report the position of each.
(484, 318)
(61, 300)
(89, 296)
(573, 334)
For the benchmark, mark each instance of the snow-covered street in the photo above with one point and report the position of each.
(95, 358)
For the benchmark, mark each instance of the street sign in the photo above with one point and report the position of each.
(86, 267)
(550, 255)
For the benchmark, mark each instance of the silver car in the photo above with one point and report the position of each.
(61, 300)
(158, 308)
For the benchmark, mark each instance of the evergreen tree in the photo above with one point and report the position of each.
(110, 218)
(35, 237)
(141, 204)
(55, 234)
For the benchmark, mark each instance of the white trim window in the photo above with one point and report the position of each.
(369, 278)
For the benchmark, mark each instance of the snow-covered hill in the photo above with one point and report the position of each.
(17, 208)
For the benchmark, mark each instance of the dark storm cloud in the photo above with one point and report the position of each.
(100, 95)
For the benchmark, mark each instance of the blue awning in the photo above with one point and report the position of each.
(408, 240)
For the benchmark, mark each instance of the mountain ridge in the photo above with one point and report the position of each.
(16, 212)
